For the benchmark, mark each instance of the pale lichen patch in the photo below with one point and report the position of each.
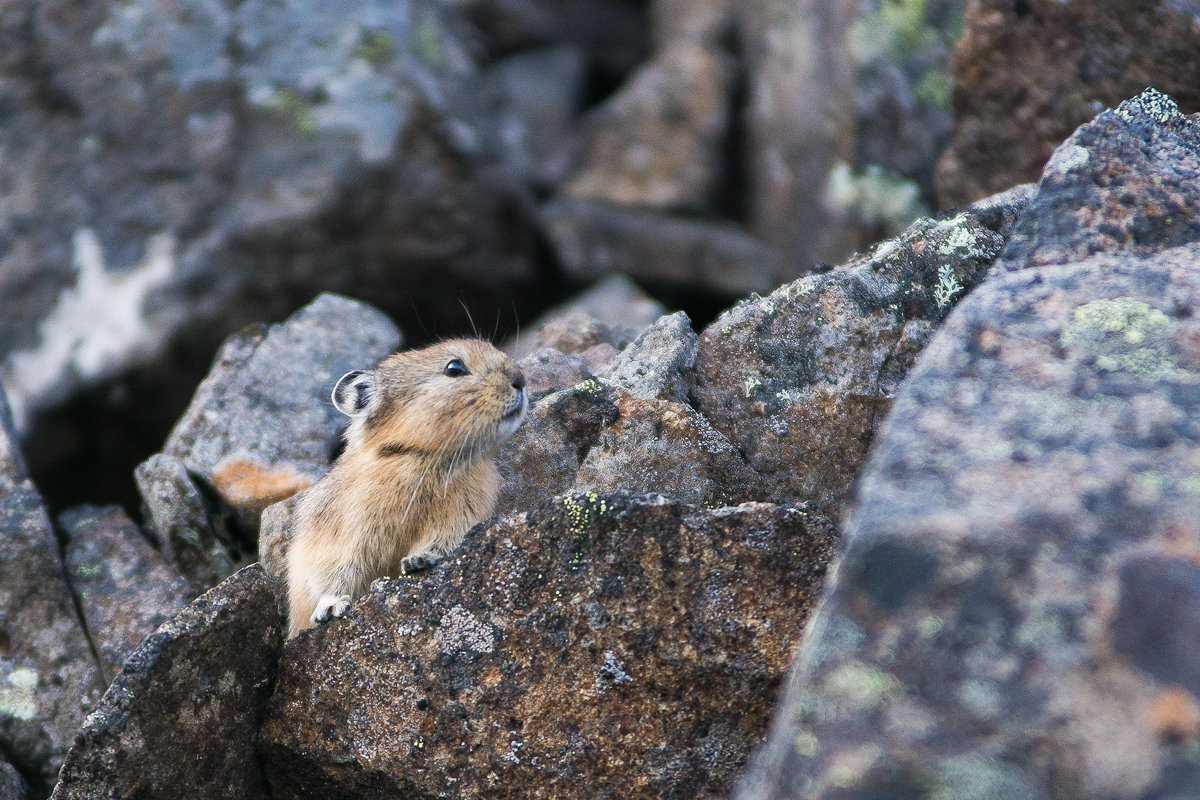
(18, 695)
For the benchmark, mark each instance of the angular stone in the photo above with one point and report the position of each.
(1129, 180)
(257, 430)
(1026, 74)
(1013, 611)
(800, 380)
(603, 641)
(125, 588)
(548, 370)
(593, 239)
(658, 142)
(657, 446)
(48, 674)
(577, 332)
(192, 533)
(185, 710)
(658, 364)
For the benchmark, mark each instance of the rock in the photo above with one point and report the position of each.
(547, 370)
(1015, 613)
(1126, 181)
(593, 239)
(125, 588)
(48, 675)
(185, 710)
(657, 446)
(658, 142)
(191, 167)
(12, 785)
(619, 308)
(1085, 54)
(576, 332)
(658, 364)
(275, 536)
(193, 534)
(800, 380)
(602, 641)
(259, 427)
(532, 98)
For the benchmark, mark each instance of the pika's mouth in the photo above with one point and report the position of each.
(516, 408)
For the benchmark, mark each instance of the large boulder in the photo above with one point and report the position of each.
(49, 677)
(1027, 74)
(185, 710)
(604, 645)
(800, 380)
(1016, 612)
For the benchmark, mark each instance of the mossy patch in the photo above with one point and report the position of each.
(1123, 335)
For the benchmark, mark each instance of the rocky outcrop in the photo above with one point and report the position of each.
(603, 645)
(258, 430)
(1014, 614)
(1027, 74)
(49, 676)
(800, 380)
(185, 710)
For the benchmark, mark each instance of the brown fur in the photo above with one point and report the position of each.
(416, 474)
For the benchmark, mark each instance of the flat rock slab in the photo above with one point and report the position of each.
(184, 712)
(48, 675)
(607, 646)
(800, 379)
(125, 587)
(1018, 612)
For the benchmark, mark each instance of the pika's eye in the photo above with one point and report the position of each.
(455, 369)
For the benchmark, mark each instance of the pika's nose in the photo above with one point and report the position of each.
(518, 377)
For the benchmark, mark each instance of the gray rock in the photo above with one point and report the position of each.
(260, 426)
(547, 370)
(658, 364)
(603, 641)
(275, 536)
(194, 166)
(12, 785)
(577, 332)
(125, 588)
(593, 239)
(1015, 614)
(48, 674)
(657, 143)
(185, 710)
(191, 531)
(800, 380)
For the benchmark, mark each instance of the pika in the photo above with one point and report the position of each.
(417, 472)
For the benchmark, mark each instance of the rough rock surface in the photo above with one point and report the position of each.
(259, 427)
(125, 587)
(48, 675)
(184, 168)
(1026, 74)
(1015, 614)
(603, 646)
(185, 710)
(547, 370)
(658, 364)
(12, 785)
(800, 380)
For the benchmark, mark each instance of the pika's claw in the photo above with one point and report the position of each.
(330, 606)
(417, 563)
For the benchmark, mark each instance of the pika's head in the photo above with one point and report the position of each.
(456, 400)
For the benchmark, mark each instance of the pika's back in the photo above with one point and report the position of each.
(458, 399)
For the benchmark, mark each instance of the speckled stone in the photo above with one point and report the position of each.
(12, 785)
(1015, 615)
(48, 675)
(603, 646)
(184, 712)
(659, 363)
(125, 588)
(799, 380)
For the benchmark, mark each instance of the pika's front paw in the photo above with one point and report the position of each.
(330, 606)
(417, 563)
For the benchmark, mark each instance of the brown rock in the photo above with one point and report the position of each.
(1027, 74)
(125, 588)
(184, 712)
(603, 645)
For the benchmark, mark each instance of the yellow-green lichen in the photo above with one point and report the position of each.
(1123, 335)
(860, 686)
(292, 104)
(589, 388)
(806, 744)
(375, 47)
(18, 697)
(1151, 103)
(582, 509)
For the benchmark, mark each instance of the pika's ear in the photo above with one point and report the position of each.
(353, 394)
